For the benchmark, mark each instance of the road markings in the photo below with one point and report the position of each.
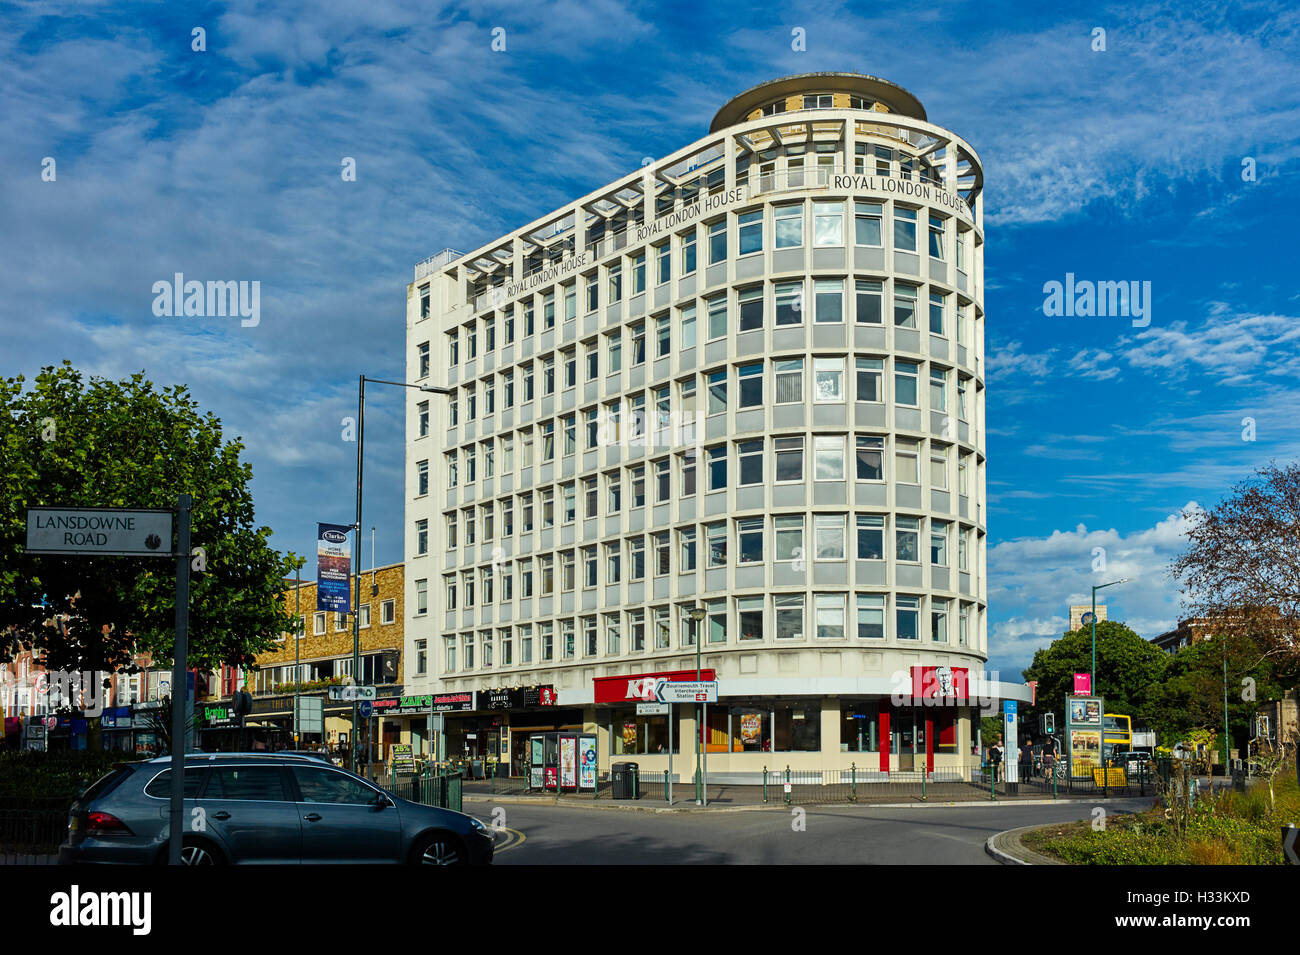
(514, 839)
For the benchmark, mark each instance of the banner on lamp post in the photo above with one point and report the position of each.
(333, 568)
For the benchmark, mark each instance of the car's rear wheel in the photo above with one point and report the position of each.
(438, 848)
(195, 852)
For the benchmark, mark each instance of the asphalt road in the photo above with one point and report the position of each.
(839, 835)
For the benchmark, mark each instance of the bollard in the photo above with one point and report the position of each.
(854, 784)
(992, 782)
(666, 799)
(764, 784)
(786, 787)
(924, 773)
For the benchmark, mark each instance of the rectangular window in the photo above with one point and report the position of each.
(871, 537)
(789, 458)
(716, 457)
(718, 242)
(688, 326)
(789, 381)
(613, 563)
(750, 460)
(663, 481)
(593, 362)
(907, 537)
(638, 486)
(615, 284)
(749, 617)
(828, 458)
(936, 313)
(718, 391)
(548, 312)
(638, 344)
(871, 616)
(688, 253)
(589, 571)
(789, 226)
(789, 303)
(717, 312)
(751, 308)
(688, 474)
(422, 419)
(751, 231)
(546, 632)
(613, 639)
(421, 537)
(421, 597)
(636, 624)
(870, 371)
(906, 614)
(870, 302)
(828, 300)
(789, 537)
(789, 612)
(870, 458)
(526, 644)
(828, 380)
(939, 543)
(638, 274)
(664, 259)
(963, 627)
(593, 294)
(939, 471)
(905, 306)
(423, 350)
(717, 621)
(830, 616)
(906, 376)
(566, 640)
(866, 223)
(687, 538)
(906, 463)
(663, 336)
(939, 621)
(589, 636)
(749, 540)
(936, 237)
(828, 536)
(570, 302)
(750, 381)
(662, 553)
(715, 536)
(938, 389)
(904, 229)
(828, 224)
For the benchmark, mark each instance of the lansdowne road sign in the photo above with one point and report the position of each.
(687, 691)
(99, 531)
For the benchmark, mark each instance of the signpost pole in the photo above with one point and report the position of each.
(297, 649)
(179, 686)
(670, 754)
(704, 777)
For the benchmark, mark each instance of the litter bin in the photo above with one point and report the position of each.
(624, 781)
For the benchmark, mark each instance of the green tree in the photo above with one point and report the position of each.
(71, 440)
(1127, 668)
(1191, 694)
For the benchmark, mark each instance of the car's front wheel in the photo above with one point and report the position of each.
(438, 848)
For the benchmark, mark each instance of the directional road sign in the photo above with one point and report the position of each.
(652, 709)
(350, 693)
(686, 691)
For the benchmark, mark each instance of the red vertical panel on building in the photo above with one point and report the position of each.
(885, 745)
(929, 745)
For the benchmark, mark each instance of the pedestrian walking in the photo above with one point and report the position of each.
(1026, 761)
(995, 759)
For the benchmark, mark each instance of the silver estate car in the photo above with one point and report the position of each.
(243, 808)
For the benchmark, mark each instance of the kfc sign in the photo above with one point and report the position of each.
(639, 687)
(940, 683)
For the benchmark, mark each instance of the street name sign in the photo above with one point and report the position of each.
(100, 531)
(652, 709)
(351, 693)
(686, 691)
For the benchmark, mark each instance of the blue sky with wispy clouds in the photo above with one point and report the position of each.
(1123, 164)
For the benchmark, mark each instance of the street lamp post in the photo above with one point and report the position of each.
(356, 615)
(697, 617)
(1093, 676)
(297, 647)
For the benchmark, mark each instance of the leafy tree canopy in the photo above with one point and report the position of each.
(70, 440)
(1127, 667)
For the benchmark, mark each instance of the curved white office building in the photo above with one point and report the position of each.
(747, 379)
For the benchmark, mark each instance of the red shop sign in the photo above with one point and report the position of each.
(639, 687)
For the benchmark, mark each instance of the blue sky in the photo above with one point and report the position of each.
(1117, 165)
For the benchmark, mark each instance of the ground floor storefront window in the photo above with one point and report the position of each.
(859, 726)
(631, 734)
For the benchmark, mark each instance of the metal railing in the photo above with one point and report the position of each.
(32, 831)
(429, 788)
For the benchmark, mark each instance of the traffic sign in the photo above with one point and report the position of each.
(350, 693)
(365, 709)
(106, 531)
(686, 691)
(652, 709)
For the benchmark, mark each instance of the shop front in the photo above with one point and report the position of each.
(116, 732)
(517, 714)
